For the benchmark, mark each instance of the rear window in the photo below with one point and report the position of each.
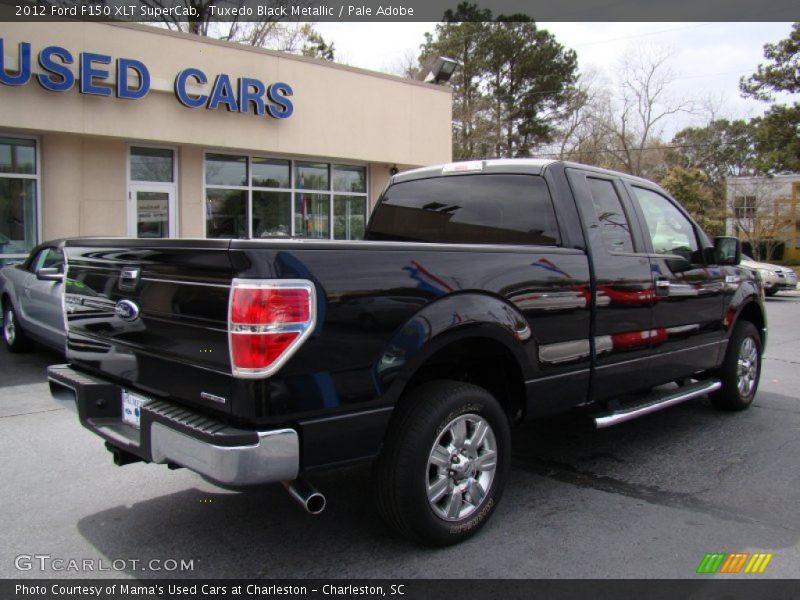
(467, 209)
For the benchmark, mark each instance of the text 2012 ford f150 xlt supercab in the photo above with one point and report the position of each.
(485, 294)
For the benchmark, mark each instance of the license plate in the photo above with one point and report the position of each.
(132, 408)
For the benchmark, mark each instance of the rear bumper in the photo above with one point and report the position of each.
(172, 434)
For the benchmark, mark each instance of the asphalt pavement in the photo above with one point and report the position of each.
(645, 499)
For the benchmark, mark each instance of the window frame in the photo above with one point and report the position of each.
(292, 190)
(37, 176)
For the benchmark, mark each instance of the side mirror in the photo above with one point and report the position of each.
(728, 250)
(50, 274)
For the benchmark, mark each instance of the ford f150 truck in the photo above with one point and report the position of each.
(486, 293)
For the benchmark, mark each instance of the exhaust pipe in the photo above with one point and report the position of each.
(306, 495)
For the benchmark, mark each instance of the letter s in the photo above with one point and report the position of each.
(277, 93)
(59, 78)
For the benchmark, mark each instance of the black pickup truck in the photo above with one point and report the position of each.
(486, 293)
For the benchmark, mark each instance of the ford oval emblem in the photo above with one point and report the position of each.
(126, 310)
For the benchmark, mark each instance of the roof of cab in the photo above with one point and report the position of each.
(528, 166)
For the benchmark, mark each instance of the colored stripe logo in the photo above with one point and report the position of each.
(734, 563)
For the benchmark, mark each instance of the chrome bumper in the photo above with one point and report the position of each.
(172, 434)
(275, 457)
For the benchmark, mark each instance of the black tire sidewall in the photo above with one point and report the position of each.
(729, 397)
(418, 512)
(8, 310)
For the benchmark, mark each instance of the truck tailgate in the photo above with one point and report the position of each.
(152, 315)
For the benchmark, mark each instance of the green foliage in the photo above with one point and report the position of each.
(513, 83)
(782, 75)
(696, 192)
(314, 45)
(777, 133)
(777, 139)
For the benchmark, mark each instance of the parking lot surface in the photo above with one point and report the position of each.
(644, 499)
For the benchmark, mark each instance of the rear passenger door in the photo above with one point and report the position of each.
(688, 311)
(624, 290)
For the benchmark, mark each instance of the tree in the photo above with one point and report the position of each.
(266, 32)
(512, 85)
(777, 133)
(637, 113)
(618, 123)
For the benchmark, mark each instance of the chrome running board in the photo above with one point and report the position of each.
(656, 402)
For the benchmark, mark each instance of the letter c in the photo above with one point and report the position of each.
(180, 87)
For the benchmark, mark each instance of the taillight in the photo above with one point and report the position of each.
(268, 320)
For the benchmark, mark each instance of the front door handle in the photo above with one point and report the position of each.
(662, 287)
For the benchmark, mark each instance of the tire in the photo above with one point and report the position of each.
(770, 292)
(741, 369)
(435, 424)
(13, 335)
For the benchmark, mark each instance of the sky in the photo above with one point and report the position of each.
(706, 59)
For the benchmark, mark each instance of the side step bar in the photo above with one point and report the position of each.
(656, 402)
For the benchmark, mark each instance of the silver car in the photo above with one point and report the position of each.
(30, 293)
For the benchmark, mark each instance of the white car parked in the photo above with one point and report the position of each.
(774, 277)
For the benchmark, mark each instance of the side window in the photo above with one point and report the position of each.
(670, 231)
(468, 209)
(615, 228)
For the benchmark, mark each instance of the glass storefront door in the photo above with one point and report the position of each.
(151, 211)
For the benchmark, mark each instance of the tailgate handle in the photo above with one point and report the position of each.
(129, 278)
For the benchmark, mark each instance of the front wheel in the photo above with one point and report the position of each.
(444, 464)
(741, 369)
(13, 336)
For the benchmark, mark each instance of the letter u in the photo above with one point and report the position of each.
(24, 74)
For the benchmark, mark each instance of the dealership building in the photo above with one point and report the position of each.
(133, 130)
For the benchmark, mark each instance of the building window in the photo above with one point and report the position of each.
(262, 197)
(744, 207)
(19, 182)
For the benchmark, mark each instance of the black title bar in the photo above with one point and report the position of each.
(395, 10)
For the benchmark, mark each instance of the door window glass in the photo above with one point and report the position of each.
(614, 225)
(152, 214)
(670, 231)
(152, 164)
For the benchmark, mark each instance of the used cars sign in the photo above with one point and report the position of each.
(133, 81)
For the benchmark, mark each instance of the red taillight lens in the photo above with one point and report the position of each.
(267, 323)
(271, 306)
(259, 350)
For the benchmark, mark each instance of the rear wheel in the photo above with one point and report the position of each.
(13, 336)
(741, 369)
(444, 463)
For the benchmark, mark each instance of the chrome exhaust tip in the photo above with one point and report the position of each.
(312, 501)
